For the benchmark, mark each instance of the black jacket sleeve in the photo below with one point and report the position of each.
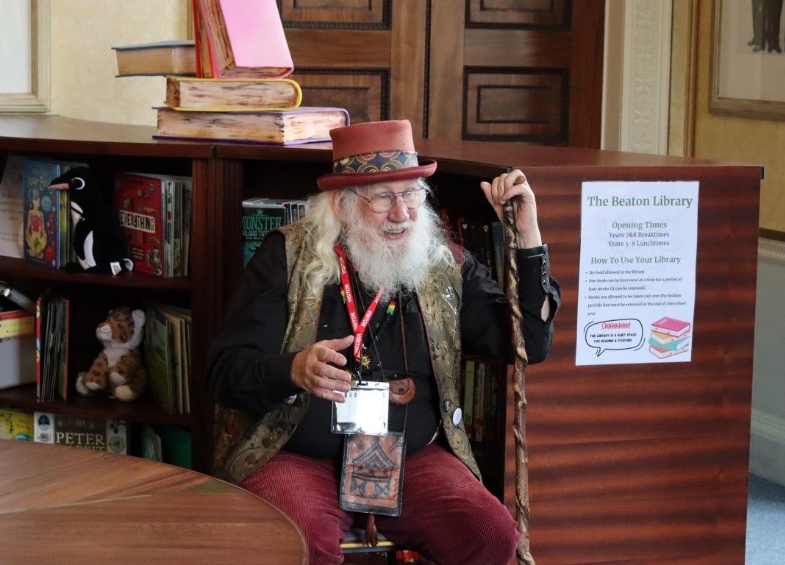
(486, 318)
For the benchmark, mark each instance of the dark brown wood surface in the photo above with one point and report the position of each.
(643, 463)
(529, 70)
(67, 505)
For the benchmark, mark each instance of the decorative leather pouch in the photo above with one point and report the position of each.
(372, 473)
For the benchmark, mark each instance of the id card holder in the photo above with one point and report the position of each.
(365, 410)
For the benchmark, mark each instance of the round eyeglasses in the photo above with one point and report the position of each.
(386, 201)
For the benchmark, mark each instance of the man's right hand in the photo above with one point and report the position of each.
(316, 369)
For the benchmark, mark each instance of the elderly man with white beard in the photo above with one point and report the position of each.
(335, 373)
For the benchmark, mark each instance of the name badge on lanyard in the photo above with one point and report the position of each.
(365, 410)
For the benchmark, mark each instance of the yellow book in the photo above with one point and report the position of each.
(217, 95)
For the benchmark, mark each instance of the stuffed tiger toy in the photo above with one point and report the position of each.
(118, 370)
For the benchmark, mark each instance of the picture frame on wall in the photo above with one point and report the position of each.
(748, 59)
(24, 54)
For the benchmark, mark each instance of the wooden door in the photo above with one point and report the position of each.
(501, 70)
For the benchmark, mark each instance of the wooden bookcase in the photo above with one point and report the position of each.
(641, 463)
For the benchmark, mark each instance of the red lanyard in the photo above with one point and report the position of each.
(351, 306)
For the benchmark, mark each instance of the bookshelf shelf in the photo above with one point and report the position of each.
(19, 268)
(611, 449)
(144, 410)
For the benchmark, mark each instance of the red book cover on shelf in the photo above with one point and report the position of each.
(139, 206)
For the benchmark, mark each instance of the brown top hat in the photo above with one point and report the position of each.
(374, 152)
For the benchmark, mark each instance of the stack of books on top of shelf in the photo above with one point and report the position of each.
(239, 90)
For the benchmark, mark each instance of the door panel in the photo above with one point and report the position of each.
(501, 70)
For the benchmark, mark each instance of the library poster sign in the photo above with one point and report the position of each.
(636, 288)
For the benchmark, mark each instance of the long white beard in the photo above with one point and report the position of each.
(390, 265)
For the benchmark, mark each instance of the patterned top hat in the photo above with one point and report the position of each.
(374, 152)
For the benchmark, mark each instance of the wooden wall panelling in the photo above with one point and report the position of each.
(445, 91)
(408, 59)
(364, 93)
(646, 463)
(525, 70)
(586, 72)
(342, 51)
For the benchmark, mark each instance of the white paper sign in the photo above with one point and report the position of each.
(636, 294)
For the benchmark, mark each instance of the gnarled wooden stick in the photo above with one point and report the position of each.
(519, 378)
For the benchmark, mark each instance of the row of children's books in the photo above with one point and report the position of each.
(229, 83)
(165, 443)
(35, 349)
(154, 212)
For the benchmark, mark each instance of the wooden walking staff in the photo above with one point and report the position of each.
(519, 372)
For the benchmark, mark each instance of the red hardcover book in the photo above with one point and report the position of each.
(139, 206)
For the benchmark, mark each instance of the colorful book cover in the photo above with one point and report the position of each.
(139, 206)
(16, 425)
(15, 323)
(42, 218)
(100, 434)
(260, 217)
(47, 221)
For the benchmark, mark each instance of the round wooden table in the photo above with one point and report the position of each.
(66, 505)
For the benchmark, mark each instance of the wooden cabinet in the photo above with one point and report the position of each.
(643, 463)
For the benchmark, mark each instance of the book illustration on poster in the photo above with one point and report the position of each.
(11, 206)
(100, 434)
(243, 38)
(671, 326)
(225, 95)
(669, 336)
(172, 57)
(306, 124)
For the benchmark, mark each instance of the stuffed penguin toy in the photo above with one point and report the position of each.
(98, 240)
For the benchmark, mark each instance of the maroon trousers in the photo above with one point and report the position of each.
(448, 515)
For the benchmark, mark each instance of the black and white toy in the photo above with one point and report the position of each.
(98, 239)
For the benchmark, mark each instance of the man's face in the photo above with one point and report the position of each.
(395, 224)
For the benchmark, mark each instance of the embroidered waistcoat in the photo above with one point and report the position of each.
(244, 440)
